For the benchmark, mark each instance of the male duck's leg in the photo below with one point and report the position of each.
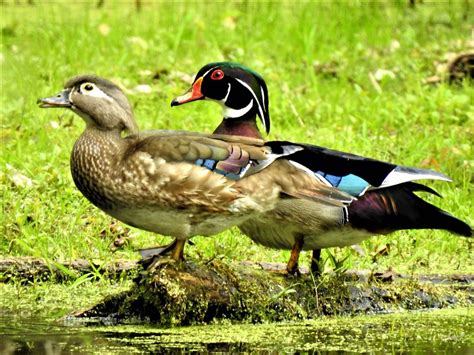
(292, 266)
(315, 262)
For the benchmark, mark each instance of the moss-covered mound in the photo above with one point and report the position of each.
(189, 293)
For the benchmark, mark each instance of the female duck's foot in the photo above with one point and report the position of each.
(292, 266)
(149, 253)
(154, 257)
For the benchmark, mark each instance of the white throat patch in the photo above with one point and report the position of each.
(233, 113)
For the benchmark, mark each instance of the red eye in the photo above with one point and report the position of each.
(217, 74)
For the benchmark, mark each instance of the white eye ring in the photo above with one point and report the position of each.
(87, 87)
(92, 90)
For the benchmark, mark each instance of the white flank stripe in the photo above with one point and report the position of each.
(399, 177)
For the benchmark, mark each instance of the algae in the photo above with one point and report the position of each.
(50, 300)
(445, 331)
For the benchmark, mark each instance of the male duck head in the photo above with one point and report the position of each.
(241, 92)
(98, 101)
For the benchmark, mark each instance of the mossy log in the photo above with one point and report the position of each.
(190, 293)
(203, 292)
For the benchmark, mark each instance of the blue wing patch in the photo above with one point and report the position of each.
(352, 184)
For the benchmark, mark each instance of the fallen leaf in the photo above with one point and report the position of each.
(381, 74)
(230, 22)
(104, 29)
(142, 89)
(122, 235)
(374, 83)
(326, 69)
(382, 250)
(160, 73)
(387, 276)
(358, 249)
(179, 75)
(394, 45)
(18, 179)
(145, 73)
(137, 42)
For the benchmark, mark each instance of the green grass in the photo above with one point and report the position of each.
(406, 122)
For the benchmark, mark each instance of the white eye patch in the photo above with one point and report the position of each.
(90, 89)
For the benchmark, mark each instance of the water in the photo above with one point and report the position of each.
(443, 331)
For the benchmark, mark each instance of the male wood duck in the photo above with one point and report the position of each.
(175, 183)
(383, 199)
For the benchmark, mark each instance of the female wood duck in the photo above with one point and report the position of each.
(383, 199)
(175, 183)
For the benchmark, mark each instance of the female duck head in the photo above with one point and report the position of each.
(241, 92)
(98, 101)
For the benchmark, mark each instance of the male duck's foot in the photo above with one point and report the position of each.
(315, 267)
(292, 266)
(293, 270)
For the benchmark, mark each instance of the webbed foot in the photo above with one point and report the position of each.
(150, 254)
(153, 257)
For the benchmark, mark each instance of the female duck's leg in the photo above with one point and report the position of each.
(292, 266)
(315, 262)
(178, 251)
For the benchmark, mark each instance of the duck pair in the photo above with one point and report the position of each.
(281, 194)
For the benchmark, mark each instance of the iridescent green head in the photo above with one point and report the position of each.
(240, 91)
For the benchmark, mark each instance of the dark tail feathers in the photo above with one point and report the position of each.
(397, 207)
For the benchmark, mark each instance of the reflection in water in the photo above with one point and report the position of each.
(441, 331)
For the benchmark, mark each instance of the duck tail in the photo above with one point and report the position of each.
(397, 207)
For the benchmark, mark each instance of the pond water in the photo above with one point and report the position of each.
(450, 331)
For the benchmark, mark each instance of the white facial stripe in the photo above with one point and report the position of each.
(226, 95)
(263, 98)
(260, 109)
(208, 72)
